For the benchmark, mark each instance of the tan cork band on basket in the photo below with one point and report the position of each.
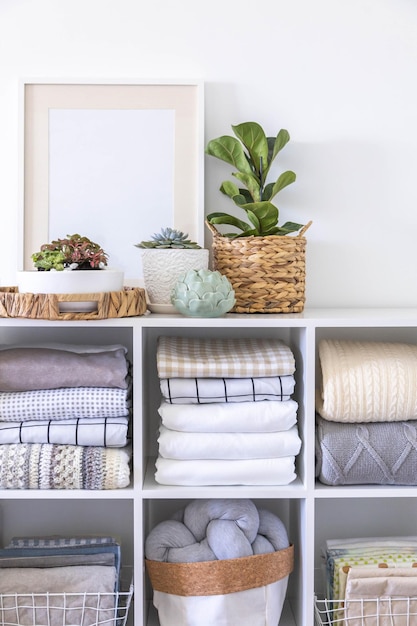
(211, 578)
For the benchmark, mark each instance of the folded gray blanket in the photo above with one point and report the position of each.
(216, 529)
(26, 369)
(383, 453)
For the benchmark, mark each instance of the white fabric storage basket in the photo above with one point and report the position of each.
(249, 591)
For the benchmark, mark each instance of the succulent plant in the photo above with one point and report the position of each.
(168, 238)
(73, 252)
(203, 293)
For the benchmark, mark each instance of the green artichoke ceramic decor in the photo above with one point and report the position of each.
(203, 293)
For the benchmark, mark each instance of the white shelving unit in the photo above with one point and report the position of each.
(311, 511)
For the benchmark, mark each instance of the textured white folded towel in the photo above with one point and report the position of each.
(181, 445)
(249, 472)
(218, 417)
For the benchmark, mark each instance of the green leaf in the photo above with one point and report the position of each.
(230, 150)
(229, 189)
(251, 183)
(285, 179)
(266, 212)
(255, 221)
(254, 139)
(225, 218)
(280, 142)
(291, 227)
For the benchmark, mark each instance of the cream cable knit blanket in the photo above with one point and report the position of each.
(364, 381)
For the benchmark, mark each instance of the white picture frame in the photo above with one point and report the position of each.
(65, 185)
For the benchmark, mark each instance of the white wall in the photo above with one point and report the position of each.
(340, 75)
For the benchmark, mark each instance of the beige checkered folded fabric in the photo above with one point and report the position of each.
(186, 357)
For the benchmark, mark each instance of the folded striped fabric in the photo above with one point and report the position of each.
(106, 431)
(206, 390)
(185, 357)
(51, 466)
(65, 403)
(57, 541)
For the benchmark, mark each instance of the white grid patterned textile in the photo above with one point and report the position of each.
(185, 357)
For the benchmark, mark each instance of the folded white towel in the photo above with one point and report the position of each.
(208, 390)
(181, 445)
(214, 472)
(245, 417)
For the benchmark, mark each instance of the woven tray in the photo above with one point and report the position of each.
(267, 273)
(209, 578)
(129, 302)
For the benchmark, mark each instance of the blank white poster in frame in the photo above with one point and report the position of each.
(115, 161)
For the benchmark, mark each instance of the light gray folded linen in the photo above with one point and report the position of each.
(69, 606)
(25, 369)
(383, 453)
(65, 403)
(216, 529)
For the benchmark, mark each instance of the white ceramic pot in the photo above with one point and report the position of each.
(71, 281)
(161, 269)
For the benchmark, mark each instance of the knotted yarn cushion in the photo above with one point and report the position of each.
(367, 381)
(216, 529)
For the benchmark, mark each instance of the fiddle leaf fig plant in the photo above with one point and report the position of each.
(252, 153)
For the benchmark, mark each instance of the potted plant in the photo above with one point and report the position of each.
(264, 261)
(166, 256)
(57, 266)
(75, 252)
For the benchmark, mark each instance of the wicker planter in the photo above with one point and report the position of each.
(267, 273)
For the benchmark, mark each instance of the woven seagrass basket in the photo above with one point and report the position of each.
(267, 273)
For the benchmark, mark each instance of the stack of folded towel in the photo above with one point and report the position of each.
(67, 567)
(367, 413)
(64, 417)
(227, 414)
(367, 577)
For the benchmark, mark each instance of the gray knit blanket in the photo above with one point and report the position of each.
(50, 466)
(382, 453)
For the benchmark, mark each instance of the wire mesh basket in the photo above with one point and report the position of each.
(65, 609)
(382, 611)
